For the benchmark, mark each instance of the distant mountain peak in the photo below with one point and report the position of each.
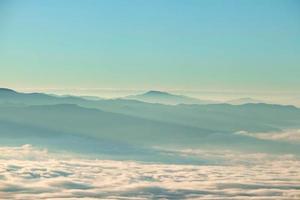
(7, 90)
(156, 96)
(156, 92)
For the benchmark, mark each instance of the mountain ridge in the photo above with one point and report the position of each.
(162, 97)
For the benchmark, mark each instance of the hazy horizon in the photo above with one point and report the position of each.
(239, 46)
(278, 97)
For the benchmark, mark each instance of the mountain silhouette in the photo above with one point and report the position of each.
(154, 96)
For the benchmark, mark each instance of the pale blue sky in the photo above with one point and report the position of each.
(234, 45)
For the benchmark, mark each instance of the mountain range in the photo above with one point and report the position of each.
(126, 125)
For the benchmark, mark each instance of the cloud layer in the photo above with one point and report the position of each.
(30, 173)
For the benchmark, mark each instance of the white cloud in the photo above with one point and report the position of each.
(30, 173)
(291, 135)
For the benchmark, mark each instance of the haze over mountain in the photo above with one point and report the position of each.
(244, 100)
(225, 117)
(154, 96)
(128, 124)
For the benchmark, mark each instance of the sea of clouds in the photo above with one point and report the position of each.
(31, 173)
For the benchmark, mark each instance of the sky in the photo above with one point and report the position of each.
(236, 46)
